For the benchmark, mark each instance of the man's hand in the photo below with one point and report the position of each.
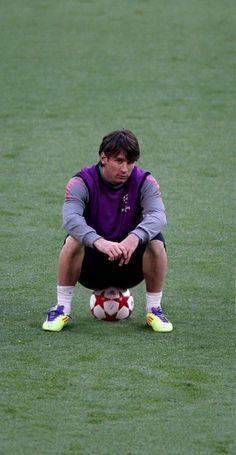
(112, 249)
(128, 246)
(115, 250)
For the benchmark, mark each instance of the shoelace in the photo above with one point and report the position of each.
(160, 313)
(53, 314)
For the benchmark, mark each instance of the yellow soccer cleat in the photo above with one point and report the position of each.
(56, 320)
(158, 321)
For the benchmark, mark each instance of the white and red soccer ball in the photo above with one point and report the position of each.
(111, 304)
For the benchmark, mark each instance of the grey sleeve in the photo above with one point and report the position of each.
(153, 211)
(74, 222)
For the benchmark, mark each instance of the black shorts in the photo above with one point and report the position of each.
(99, 273)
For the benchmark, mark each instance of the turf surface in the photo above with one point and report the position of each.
(71, 72)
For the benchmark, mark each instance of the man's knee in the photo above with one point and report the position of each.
(73, 246)
(155, 248)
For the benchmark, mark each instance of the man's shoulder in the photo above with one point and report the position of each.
(91, 168)
(75, 186)
(140, 172)
(151, 180)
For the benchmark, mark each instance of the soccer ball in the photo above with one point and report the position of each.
(111, 304)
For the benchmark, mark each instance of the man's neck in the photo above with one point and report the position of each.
(112, 185)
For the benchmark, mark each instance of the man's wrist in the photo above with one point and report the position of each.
(135, 236)
(97, 240)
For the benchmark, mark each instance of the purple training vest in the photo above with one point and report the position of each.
(113, 212)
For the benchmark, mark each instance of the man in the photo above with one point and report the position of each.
(113, 214)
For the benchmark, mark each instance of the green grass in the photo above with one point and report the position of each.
(71, 72)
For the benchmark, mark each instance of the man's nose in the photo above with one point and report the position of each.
(125, 166)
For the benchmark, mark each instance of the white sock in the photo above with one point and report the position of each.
(64, 297)
(153, 299)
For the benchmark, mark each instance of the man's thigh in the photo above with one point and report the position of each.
(99, 273)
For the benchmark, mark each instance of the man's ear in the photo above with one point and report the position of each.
(103, 158)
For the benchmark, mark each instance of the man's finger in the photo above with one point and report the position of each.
(122, 260)
(124, 251)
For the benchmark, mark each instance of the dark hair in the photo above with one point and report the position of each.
(120, 141)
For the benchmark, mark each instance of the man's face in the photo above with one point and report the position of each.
(116, 169)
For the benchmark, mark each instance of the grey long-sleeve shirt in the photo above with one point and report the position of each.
(77, 197)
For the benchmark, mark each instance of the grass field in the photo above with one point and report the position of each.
(71, 71)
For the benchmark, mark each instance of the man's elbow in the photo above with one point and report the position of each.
(68, 222)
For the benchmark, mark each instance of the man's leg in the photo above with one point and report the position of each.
(154, 266)
(69, 268)
(154, 270)
(70, 262)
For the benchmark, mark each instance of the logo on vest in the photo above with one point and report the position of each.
(125, 206)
